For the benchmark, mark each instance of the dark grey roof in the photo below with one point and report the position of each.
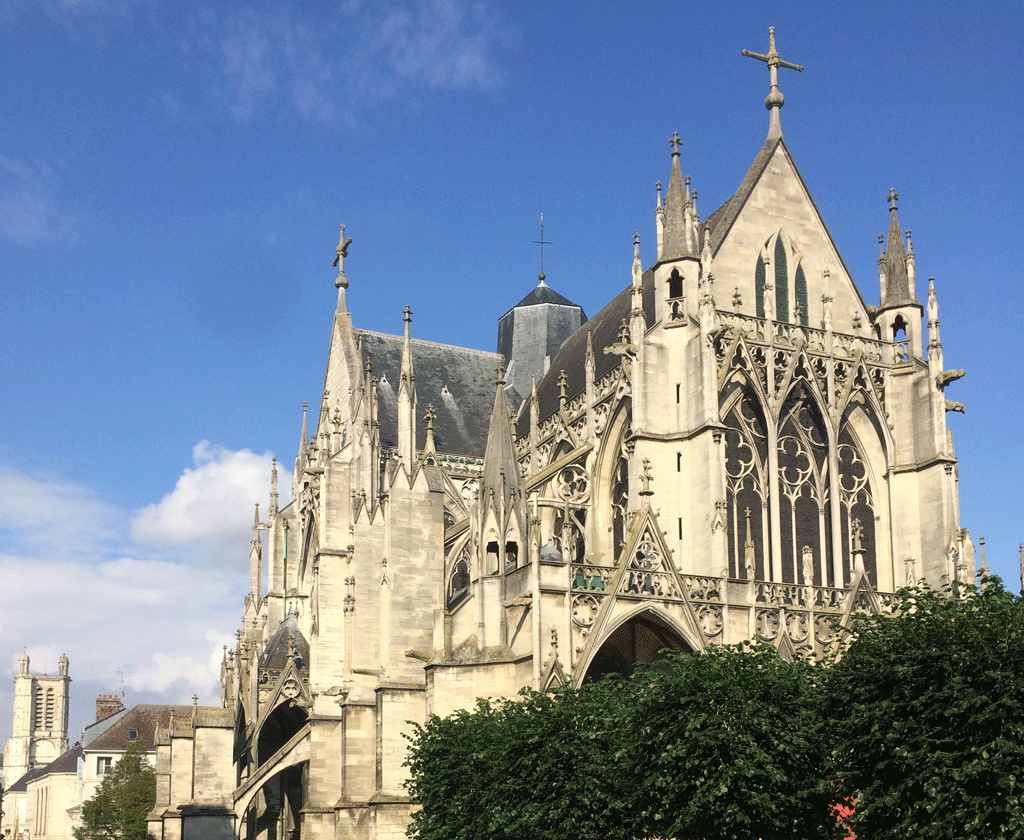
(144, 718)
(604, 327)
(457, 381)
(21, 785)
(542, 293)
(287, 636)
(66, 763)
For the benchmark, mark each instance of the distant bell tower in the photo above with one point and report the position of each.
(39, 733)
(532, 331)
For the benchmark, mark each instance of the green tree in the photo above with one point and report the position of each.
(729, 744)
(123, 799)
(928, 714)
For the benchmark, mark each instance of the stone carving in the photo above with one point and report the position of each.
(584, 609)
(767, 624)
(710, 619)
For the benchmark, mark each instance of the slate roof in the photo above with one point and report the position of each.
(459, 382)
(65, 763)
(275, 656)
(542, 293)
(571, 358)
(21, 786)
(145, 718)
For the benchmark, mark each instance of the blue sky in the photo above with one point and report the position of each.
(172, 177)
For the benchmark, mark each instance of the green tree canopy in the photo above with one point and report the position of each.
(927, 707)
(727, 745)
(124, 797)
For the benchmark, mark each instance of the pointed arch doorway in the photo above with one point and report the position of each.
(642, 640)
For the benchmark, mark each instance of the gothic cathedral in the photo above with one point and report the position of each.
(737, 446)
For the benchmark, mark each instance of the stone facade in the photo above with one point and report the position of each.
(736, 447)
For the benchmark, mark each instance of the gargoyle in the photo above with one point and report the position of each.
(947, 376)
(953, 405)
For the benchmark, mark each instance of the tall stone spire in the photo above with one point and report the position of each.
(500, 481)
(896, 287)
(775, 100)
(407, 398)
(256, 560)
(680, 235)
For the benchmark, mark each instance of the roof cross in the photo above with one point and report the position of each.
(407, 314)
(542, 242)
(774, 100)
(675, 142)
(892, 198)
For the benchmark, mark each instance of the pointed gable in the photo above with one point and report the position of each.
(773, 203)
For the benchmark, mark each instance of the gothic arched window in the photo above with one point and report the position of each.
(458, 581)
(800, 293)
(804, 528)
(857, 509)
(781, 282)
(746, 452)
(759, 286)
(620, 501)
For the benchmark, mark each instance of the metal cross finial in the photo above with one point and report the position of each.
(774, 100)
(407, 314)
(675, 141)
(892, 198)
(542, 242)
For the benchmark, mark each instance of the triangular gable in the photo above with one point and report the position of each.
(290, 688)
(774, 198)
(645, 576)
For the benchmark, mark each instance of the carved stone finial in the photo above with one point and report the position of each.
(892, 198)
(646, 478)
(407, 314)
(341, 281)
(624, 332)
(675, 141)
(562, 382)
(430, 416)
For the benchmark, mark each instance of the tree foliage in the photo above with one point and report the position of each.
(927, 707)
(124, 797)
(725, 745)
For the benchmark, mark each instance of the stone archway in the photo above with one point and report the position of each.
(641, 640)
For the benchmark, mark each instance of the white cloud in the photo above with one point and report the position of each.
(330, 69)
(152, 623)
(212, 502)
(30, 213)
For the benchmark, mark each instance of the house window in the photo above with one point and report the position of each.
(103, 764)
(133, 734)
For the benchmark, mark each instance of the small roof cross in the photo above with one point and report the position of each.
(542, 242)
(407, 314)
(430, 416)
(892, 198)
(675, 141)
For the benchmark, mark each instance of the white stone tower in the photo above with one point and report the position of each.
(39, 733)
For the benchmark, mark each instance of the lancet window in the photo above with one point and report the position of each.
(804, 520)
(800, 293)
(620, 501)
(458, 580)
(746, 457)
(780, 277)
(857, 508)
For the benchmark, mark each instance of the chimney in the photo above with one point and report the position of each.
(107, 705)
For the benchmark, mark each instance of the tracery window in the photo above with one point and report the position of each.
(804, 521)
(857, 510)
(746, 452)
(620, 501)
